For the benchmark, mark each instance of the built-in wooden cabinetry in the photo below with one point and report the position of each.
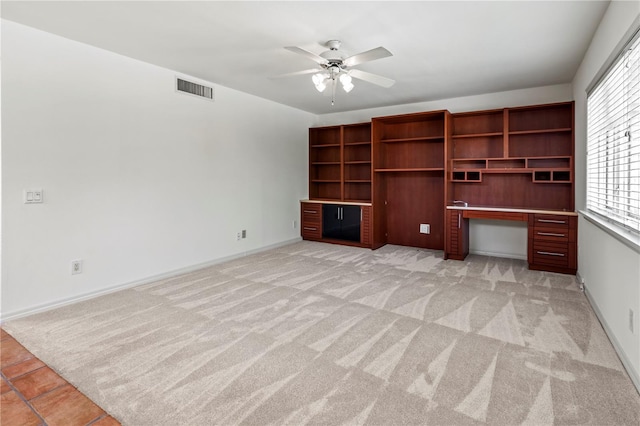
(520, 159)
(340, 163)
(409, 179)
(514, 157)
(457, 238)
(313, 218)
(553, 242)
(423, 169)
(340, 173)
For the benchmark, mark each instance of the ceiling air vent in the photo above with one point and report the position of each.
(194, 89)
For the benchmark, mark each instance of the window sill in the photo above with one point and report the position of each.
(625, 237)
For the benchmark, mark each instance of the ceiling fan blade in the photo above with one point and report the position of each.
(372, 78)
(291, 74)
(315, 58)
(369, 55)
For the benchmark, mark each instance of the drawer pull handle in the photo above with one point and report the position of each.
(550, 234)
(311, 211)
(308, 228)
(552, 221)
(549, 253)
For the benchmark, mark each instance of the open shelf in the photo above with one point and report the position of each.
(478, 147)
(507, 163)
(552, 176)
(477, 124)
(470, 164)
(541, 118)
(357, 143)
(549, 163)
(417, 139)
(466, 176)
(408, 169)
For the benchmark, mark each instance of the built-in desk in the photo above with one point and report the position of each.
(552, 235)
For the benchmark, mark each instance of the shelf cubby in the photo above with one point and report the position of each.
(412, 155)
(479, 147)
(478, 124)
(549, 163)
(552, 144)
(541, 118)
(466, 176)
(552, 176)
(410, 126)
(507, 163)
(470, 164)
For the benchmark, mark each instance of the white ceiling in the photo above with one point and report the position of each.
(440, 49)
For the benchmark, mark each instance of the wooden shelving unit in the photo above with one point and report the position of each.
(356, 142)
(404, 170)
(501, 157)
(408, 179)
(325, 154)
(340, 163)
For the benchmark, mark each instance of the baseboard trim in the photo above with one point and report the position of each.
(112, 289)
(633, 374)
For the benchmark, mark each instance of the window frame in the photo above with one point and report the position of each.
(622, 180)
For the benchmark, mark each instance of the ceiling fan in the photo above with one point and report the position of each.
(336, 65)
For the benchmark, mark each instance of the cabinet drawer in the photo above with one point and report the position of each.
(310, 218)
(311, 231)
(557, 234)
(551, 253)
(551, 221)
(311, 209)
(311, 213)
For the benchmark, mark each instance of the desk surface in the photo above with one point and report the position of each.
(512, 210)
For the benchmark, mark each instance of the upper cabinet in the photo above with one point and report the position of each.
(340, 163)
(514, 157)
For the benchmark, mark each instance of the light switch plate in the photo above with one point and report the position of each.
(33, 196)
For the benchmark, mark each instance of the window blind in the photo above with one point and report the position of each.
(613, 141)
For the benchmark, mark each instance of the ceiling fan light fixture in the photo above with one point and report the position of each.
(347, 85)
(319, 80)
(335, 64)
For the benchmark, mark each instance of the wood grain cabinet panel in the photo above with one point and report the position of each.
(311, 223)
(457, 246)
(552, 243)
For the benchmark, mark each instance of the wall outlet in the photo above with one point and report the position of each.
(244, 233)
(295, 224)
(76, 267)
(425, 228)
(631, 320)
(33, 196)
(238, 236)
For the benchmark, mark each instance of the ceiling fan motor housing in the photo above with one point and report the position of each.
(334, 55)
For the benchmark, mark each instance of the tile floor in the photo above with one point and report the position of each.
(33, 394)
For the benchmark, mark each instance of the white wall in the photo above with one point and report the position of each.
(502, 239)
(512, 98)
(138, 180)
(611, 270)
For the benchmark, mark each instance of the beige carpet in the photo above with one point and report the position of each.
(321, 334)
